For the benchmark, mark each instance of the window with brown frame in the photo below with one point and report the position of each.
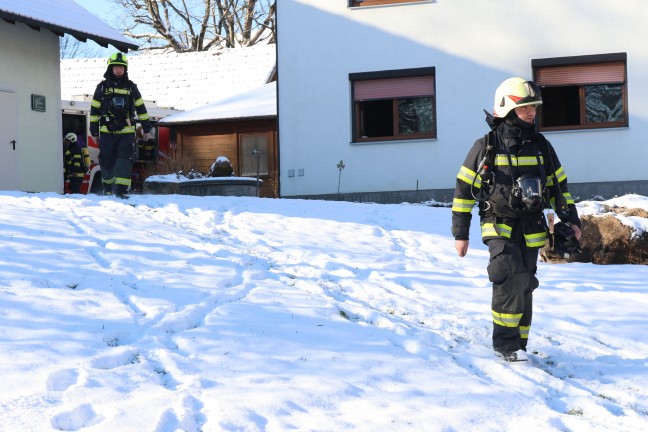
(357, 3)
(392, 105)
(584, 92)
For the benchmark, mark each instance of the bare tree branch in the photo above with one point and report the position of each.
(198, 25)
(71, 47)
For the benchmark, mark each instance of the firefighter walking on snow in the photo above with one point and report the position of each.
(514, 174)
(116, 103)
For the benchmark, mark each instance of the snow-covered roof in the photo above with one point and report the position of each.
(64, 16)
(260, 102)
(180, 80)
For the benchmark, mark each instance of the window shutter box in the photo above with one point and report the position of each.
(584, 74)
(393, 88)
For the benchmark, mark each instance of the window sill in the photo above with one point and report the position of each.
(392, 141)
(374, 4)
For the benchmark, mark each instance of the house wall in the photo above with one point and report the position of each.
(474, 46)
(200, 145)
(30, 65)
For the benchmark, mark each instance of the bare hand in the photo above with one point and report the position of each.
(147, 135)
(577, 231)
(462, 247)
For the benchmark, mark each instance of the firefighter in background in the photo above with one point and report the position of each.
(115, 104)
(514, 174)
(73, 163)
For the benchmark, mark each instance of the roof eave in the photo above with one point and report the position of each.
(220, 120)
(59, 30)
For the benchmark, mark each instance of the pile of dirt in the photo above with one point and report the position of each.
(606, 240)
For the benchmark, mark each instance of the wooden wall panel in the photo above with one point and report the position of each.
(204, 150)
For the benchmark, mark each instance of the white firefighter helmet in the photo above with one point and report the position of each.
(71, 137)
(515, 92)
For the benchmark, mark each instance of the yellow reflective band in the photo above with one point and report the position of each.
(535, 240)
(507, 320)
(503, 160)
(568, 198)
(467, 175)
(143, 116)
(94, 118)
(126, 130)
(528, 160)
(109, 181)
(560, 175)
(95, 103)
(123, 181)
(139, 102)
(121, 91)
(524, 332)
(462, 205)
(488, 230)
(550, 180)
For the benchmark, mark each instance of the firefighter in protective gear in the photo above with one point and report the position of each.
(73, 164)
(513, 173)
(116, 106)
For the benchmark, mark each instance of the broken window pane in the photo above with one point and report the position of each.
(604, 103)
(415, 115)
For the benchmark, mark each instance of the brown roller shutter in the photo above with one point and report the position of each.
(599, 73)
(393, 88)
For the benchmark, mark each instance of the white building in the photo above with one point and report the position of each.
(30, 88)
(395, 89)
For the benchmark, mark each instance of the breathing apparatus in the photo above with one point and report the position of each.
(485, 173)
(527, 193)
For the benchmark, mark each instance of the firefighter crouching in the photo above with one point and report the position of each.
(514, 174)
(116, 103)
(74, 167)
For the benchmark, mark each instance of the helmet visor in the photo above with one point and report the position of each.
(533, 93)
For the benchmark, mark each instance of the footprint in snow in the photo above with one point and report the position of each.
(80, 417)
(62, 380)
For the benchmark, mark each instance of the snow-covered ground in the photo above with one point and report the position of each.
(178, 313)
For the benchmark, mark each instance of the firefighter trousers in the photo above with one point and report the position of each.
(511, 269)
(116, 153)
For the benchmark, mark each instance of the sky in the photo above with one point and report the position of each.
(103, 9)
(100, 8)
(179, 313)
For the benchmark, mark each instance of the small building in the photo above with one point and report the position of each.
(242, 128)
(230, 107)
(30, 90)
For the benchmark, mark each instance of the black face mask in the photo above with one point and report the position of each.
(117, 104)
(528, 192)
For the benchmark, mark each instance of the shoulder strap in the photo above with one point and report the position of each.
(485, 170)
(490, 142)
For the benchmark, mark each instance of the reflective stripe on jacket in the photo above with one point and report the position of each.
(521, 158)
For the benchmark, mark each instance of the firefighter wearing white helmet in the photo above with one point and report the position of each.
(116, 107)
(73, 163)
(514, 93)
(513, 174)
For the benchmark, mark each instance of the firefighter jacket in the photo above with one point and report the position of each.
(115, 104)
(515, 152)
(73, 163)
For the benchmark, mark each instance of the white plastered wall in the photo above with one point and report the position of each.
(473, 46)
(30, 65)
